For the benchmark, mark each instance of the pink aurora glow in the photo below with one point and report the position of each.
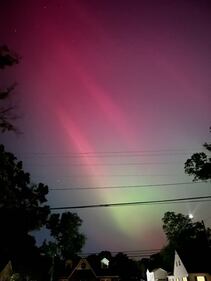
(111, 76)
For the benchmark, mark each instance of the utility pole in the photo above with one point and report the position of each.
(205, 234)
(52, 268)
(53, 251)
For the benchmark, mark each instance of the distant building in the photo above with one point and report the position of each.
(157, 274)
(83, 271)
(104, 263)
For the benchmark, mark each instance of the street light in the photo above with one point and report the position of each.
(190, 216)
(203, 226)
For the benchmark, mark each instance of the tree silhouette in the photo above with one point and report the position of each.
(7, 116)
(68, 241)
(199, 165)
(190, 239)
(22, 209)
(22, 203)
(126, 268)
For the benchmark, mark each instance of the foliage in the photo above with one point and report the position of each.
(176, 225)
(143, 265)
(22, 210)
(7, 58)
(126, 268)
(199, 165)
(190, 239)
(180, 229)
(64, 229)
(49, 248)
(105, 254)
(207, 146)
(18, 195)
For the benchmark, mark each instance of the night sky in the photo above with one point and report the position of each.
(111, 93)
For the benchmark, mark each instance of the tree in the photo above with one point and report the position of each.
(181, 231)
(126, 268)
(19, 194)
(22, 209)
(177, 225)
(105, 254)
(64, 229)
(199, 165)
(190, 239)
(22, 203)
(7, 116)
(7, 57)
(143, 265)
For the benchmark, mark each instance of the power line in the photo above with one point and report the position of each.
(122, 186)
(126, 251)
(84, 175)
(121, 175)
(131, 253)
(165, 201)
(107, 155)
(104, 164)
(111, 175)
(112, 152)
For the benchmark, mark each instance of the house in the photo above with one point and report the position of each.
(187, 272)
(83, 271)
(157, 274)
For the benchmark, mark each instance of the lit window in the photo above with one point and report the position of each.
(200, 278)
(184, 279)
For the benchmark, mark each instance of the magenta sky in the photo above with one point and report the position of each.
(112, 76)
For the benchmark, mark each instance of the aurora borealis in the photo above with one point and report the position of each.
(112, 93)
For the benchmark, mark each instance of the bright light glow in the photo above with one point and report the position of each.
(190, 216)
(105, 261)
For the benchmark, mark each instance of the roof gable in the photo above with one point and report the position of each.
(83, 268)
(83, 265)
(179, 268)
(6, 272)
